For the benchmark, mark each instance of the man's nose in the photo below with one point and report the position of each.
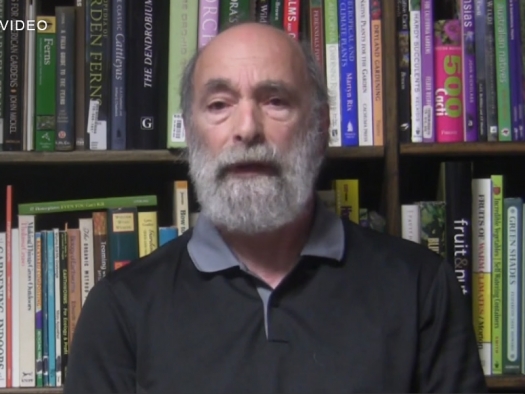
(248, 128)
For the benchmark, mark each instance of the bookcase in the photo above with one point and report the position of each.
(388, 173)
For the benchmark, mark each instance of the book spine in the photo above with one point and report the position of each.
(9, 284)
(122, 236)
(276, 12)
(16, 307)
(482, 269)
(332, 69)
(74, 280)
(410, 223)
(316, 30)
(427, 71)
(347, 199)
(100, 245)
(65, 98)
(480, 37)
(45, 85)
(432, 226)
(514, 59)
(181, 48)
(64, 304)
(448, 75)
(147, 232)
(348, 73)
(15, 84)
(181, 212)
(292, 14)
(85, 226)
(26, 226)
(56, 305)
(377, 72)
(2, 71)
(97, 76)
(28, 96)
(470, 118)
(262, 11)
(497, 273)
(208, 21)
(502, 69)
(458, 205)
(403, 71)
(512, 284)
(490, 58)
(45, 330)
(50, 289)
(416, 92)
(118, 76)
(235, 11)
(520, 30)
(3, 310)
(38, 310)
(364, 73)
(81, 135)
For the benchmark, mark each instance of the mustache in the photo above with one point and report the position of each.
(260, 154)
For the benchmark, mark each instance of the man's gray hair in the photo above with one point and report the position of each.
(315, 74)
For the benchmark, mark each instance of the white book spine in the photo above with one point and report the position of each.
(415, 72)
(410, 222)
(482, 267)
(58, 301)
(3, 312)
(87, 256)
(15, 308)
(332, 72)
(364, 73)
(26, 270)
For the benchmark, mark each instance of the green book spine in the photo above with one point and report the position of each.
(235, 11)
(497, 272)
(91, 204)
(183, 33)
(123, 236)
(432, 224)
(276, 13)
(512, 271)
(45, 85)
(502, 69)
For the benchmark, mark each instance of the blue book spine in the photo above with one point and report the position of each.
(166, 234)
(50, 273)
(118, 76)
(348, 73)
(45, 317)
(514, 55)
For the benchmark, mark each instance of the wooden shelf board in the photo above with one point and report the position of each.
(506, 382)
(463, 149)
(32, 390)
(150, 156)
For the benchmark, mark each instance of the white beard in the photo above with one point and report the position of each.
(259, 203)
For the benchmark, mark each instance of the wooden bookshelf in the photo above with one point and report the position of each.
(151, 156)
(463, 149)
(509, 382)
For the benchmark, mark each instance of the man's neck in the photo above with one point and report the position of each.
(271, 256)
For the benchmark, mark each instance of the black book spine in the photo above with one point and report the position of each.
(403, 70)
(14, 82)
(145, 35)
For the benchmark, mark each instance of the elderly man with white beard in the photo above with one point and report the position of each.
(270, 292)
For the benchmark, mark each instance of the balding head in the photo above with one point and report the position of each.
(245, 38)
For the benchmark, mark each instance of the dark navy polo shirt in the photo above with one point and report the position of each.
(360, 312)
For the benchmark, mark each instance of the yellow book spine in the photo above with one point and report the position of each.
(497, 274)
(347, 198)
(148, 232)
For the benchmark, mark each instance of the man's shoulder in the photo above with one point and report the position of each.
(383, 253)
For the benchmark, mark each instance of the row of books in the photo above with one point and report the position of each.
(478, 227)
(461, 70)
(105, 75)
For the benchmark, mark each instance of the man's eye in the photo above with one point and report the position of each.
(276, 102)
(217, 106)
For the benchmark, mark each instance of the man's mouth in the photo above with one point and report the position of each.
(251, 169)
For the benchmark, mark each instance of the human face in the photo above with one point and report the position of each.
(254, 149)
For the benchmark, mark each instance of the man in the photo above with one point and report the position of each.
(270, 292)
